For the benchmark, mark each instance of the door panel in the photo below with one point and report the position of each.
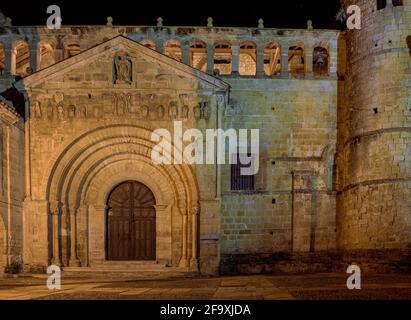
(131, 223)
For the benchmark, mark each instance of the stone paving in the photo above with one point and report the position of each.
(258, 287)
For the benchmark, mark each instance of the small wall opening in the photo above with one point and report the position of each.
(2, 59)
(397, 3)
(272, 59)
(321, 62)
(149, 44)
(381, 4)
(409, 44)
(46, 55)
(21, 59)
(172, 49)
(71, 50)
(198, 55)
(248, 59)
(223, 57)
(296, 61)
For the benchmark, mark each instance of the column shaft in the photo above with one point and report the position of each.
(183, 261)
(210, 58)
(235, 59)
(260, 60)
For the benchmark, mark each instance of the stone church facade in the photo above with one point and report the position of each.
(78, 107)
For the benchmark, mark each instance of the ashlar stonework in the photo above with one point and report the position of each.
(78, 107)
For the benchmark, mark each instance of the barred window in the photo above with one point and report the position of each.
(241, 182)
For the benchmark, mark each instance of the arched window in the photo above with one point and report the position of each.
(248, 59)
(21, 59)
(198, 55)
(381, 4)
(272, 59)
(223, 57)
(46, 55)
(320, 62)
(397, 3)
(296, 61)
(172, 49)
(2, 59)
(71, 50)
(149, 44)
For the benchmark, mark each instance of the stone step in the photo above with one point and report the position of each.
(127, 268)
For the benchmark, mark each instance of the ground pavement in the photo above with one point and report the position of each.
(169, 287)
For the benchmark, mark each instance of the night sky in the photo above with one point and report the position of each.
(276, 13)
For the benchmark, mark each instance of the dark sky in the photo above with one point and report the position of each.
(240, 13)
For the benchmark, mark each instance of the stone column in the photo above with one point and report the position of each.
(194, 240)
(184, 261)
(73, 257)
(284, 60)
(185, 53)
(58, 54)
(235, 59)
(260, 60)
(7, 58)
(13, 60)
(160, 45)
(55, 215)
(163, 234)
(33, 56)
(97, 234)
(309, 61)
(81, 218)
(210, 58)
(36, 230)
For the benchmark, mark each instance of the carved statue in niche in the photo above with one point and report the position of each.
(122, 103)
(204, 110)
(186, 111)
(145, 111)
(60, 111)
(161, 112)
(83, 112)
(50, 112)
(122, 64)
(58, 99)
(173, 110)
(37, 110)
(96, 112)
(201, 111)
(197, 112)
(72, 111)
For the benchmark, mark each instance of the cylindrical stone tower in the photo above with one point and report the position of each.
(374, 143)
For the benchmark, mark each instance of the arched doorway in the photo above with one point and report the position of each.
(131, 223)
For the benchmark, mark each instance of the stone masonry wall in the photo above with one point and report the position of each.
(296, 119)
(11, 188)
(374, 159)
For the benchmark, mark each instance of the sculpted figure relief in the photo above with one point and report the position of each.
(37, 110)
(122, 65)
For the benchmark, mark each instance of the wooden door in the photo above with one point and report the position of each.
(131, 223)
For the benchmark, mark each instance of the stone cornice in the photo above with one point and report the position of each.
(8, 114)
